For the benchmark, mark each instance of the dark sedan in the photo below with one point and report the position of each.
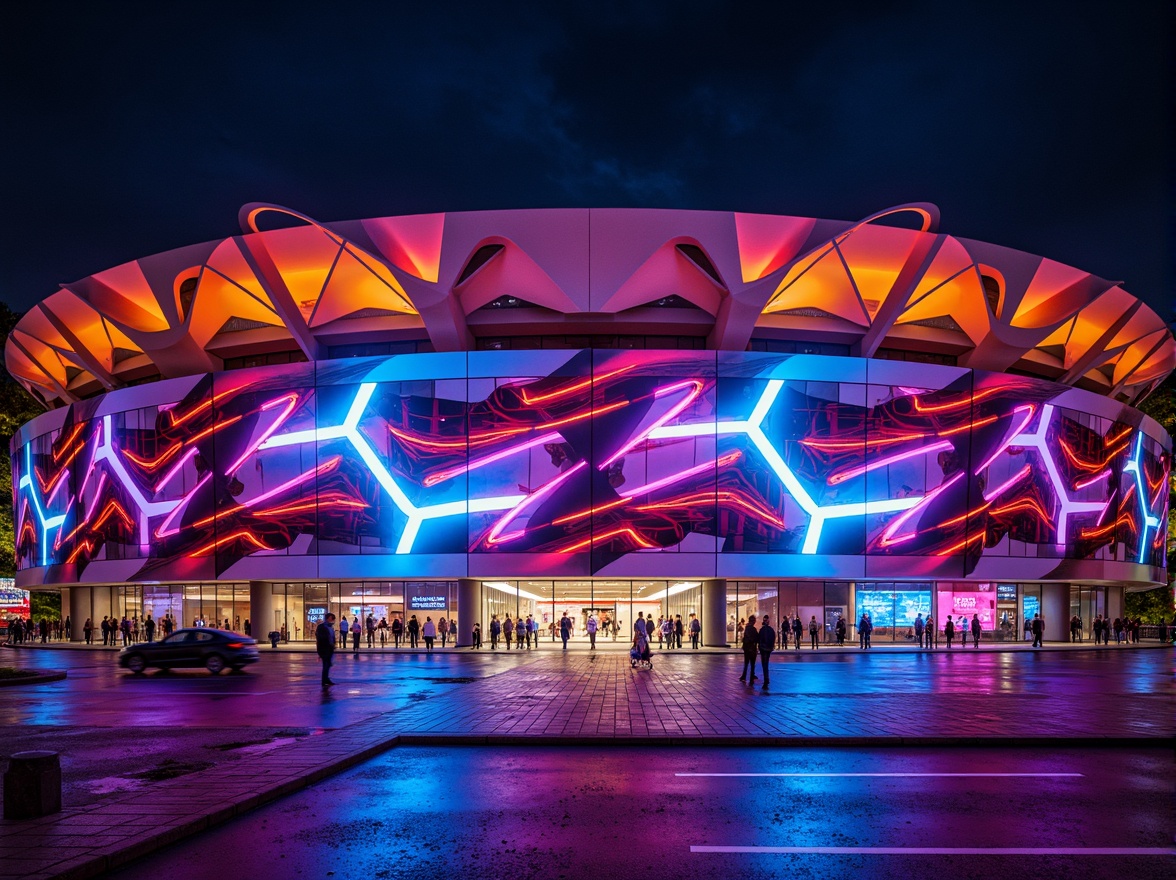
(214, 649)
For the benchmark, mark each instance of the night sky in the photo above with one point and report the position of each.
(136, 128)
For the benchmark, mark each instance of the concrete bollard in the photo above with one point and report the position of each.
(32, 785)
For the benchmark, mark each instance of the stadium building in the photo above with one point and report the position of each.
(592, 411)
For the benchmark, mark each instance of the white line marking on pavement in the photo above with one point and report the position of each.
(944, 850)
(899, 775)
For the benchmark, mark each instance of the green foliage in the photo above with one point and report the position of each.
(45, 605)
(1150, 607)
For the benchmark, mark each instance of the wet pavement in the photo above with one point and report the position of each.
(702, 813)
(248, 739)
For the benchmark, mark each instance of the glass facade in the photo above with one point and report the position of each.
(892, 606)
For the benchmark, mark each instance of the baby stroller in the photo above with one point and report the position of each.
(639, 654)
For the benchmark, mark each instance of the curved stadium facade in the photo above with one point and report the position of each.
(533, 412)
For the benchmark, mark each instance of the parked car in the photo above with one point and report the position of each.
(214, 649)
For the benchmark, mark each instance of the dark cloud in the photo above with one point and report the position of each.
(135, 128)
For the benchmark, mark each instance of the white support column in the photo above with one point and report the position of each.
(261, 610)
(714, 612)
(1055, 610)
(469, 610)
(79, 610)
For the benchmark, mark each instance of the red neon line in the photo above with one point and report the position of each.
(571, 389)
(495, 535)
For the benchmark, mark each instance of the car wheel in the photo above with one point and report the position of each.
(214, 663)
(136, 664)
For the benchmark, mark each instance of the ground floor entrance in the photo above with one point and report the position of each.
(838, 610)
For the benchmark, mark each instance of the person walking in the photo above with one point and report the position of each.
(590, 627)
(667, 632)
(88, 631)
(356, 632)
(370, 626)
(1038, 631)
(495, 631)
(949, 631)
(863, 631)
(382, 628)
(976, 631)
(919, 627)
(520, 632)
(508, 630)
(324, 645)
(397, 631)
(797, 630)
(476, 636)
(841, 630)
(932, 633)
(414, 631)
(443, 631)
(149, 628)
(814, 631)
(533, 630)
(428, 633)
(695, 631)
(750, 649)
(767, 641)
(565, 629)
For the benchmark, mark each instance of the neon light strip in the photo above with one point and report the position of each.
(1029, 410)
(671, 413)
(841, 477)
(1134, 466)
(1015, 478)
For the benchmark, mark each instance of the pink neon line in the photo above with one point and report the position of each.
(61, 481)
(1084, 483)
(97, 496)
(301, 478)
(1031, 410)
(1015, 478)
(887, 535)
(277, 423)
(434, 479)
(513, 513)
(163, 531)
(672, 412)
(673, 478)
(184, 459)
(902, 456)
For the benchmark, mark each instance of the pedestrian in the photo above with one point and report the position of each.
(1074, 627)
(949, 631)
(397, 631)
(428, 633)
(797, 630)
(767, 641)
(414, 632)
(495, 631)
(667, 632)
(639, 626)
(919, 627)
(533, 630)
(443, 631)
(841, 631)
(590, 626)
(695, 631)
(863, 630)
(520, 632)
(149, 628)
(324, 644)
(565, 629)
(356, 632)
(382, 629)
(1096, 628)
(370, 627)
(1038, 630)
(679, 630)
(508, 630)
(750, 650)
(476, 636)
(976, 631)
(814, 630)
(932, 634)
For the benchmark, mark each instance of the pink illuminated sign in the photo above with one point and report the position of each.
(965, 603)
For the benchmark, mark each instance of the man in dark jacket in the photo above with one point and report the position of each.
(324, 643)
(767, 641)
(750, 649)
